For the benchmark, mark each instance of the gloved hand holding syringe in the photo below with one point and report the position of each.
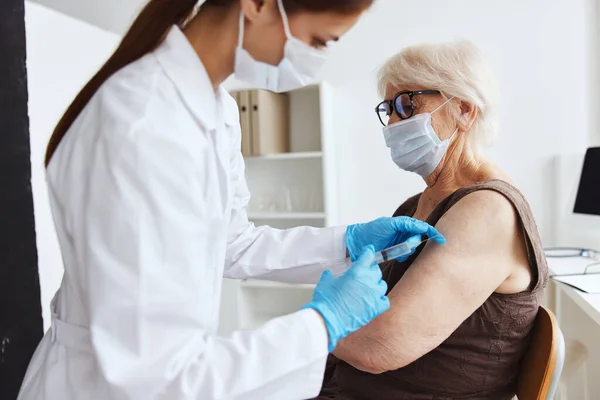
(354, 298)
(399, 252)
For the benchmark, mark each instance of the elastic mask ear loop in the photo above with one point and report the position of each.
(442, 105)
(195, 12)
(436, 134)
(453, 136)
(456, 131)
(197, 6)
(241, 30)
(286, 26)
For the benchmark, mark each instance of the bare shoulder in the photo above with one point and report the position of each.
(486, 213)
(484, 228)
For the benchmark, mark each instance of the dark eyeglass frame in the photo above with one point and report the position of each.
(392, 103)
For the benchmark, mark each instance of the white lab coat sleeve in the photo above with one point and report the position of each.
(298, 255)
(146, 243)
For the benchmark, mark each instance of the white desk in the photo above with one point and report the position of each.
(589, 303)
(578, 315)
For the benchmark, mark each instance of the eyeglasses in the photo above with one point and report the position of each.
(402, 103)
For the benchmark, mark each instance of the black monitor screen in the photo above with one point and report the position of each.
(588, 194)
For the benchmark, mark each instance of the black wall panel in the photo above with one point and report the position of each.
(20, 312)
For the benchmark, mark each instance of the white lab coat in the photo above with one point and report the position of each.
(149, 200)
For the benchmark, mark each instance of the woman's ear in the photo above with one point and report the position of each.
(468, 114)
(255, 9)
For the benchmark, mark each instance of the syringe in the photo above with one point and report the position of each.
(394, 252)
(397, 251)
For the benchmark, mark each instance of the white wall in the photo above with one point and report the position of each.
(593, 24)
(539, 51)
(62, 54)
(112, 15)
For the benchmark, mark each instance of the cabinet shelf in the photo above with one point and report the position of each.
(297, 187)
(287, 156)
(286, 215)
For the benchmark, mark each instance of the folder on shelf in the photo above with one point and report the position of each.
(243, 100)
(270, 122)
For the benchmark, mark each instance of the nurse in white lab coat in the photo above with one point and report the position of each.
(147, 188)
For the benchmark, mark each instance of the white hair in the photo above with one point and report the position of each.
(457, 69)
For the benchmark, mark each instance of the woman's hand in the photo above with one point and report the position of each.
(386, 232)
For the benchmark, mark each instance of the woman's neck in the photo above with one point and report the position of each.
(460, 166)
(213, 34)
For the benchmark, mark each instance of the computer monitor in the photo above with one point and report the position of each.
(587, 201)
(581, 227)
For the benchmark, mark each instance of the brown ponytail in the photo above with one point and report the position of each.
(146, 33)
(149, 30)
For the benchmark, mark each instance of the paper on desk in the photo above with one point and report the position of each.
(570, 265)
(589, 283)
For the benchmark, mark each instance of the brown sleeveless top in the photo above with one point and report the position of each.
(481, 359)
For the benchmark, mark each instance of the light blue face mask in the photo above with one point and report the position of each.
(414, 145)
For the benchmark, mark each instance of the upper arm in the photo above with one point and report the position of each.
(239, 226)
(447, 283)
(241, 197)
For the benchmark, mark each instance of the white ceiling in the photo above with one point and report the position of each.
(111, 15)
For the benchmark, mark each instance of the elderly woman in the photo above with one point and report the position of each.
(461, 313)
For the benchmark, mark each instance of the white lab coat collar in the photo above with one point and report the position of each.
(182, 65)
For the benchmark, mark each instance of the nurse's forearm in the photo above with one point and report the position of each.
(297, 255)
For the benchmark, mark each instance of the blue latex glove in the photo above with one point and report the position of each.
(386, 232)
(352, 300)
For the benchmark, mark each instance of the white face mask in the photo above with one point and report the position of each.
(300, 66)
(414, 145)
